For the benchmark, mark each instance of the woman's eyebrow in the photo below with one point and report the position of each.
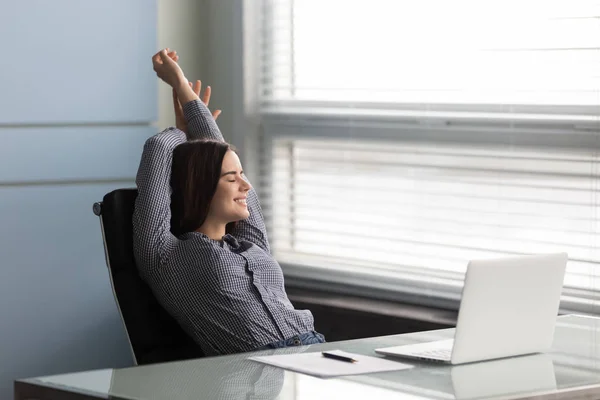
(231, 173)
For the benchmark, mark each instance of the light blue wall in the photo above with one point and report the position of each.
(77, 97)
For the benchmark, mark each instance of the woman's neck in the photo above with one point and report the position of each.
(213, 229)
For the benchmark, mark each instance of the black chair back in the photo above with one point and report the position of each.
(153, 334)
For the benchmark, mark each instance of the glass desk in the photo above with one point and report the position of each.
(570, 371)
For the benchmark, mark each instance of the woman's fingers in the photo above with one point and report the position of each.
(156, 60)
(197, 87)
(173, 56)
(164, 61)
(159, 58)
(206, 98)
(167, 60)
(216, 114)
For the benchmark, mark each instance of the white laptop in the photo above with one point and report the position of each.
(508, 308)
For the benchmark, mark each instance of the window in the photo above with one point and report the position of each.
(407, 137)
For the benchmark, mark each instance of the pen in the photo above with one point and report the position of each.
(338, 357)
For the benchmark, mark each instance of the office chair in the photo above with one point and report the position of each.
(154, 336)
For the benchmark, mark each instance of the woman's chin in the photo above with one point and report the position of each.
(241, 217)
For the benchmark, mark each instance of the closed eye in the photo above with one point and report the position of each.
(233, 173)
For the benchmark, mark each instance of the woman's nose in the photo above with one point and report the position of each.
(246, 186)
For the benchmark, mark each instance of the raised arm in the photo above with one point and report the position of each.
(194, 118)
(200, 122)
(152, 238)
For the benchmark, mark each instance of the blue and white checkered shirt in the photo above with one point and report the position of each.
(228, 295)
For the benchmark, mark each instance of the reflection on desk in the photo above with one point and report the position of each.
(483, 380)
(504, 377)
(573, 363)
(224, 378)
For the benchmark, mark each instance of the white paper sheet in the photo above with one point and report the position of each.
(316, 365)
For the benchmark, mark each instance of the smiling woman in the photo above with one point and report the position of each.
(209, 189)
(221, 285)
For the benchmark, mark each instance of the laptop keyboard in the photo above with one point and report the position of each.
(441, 350)
(443, 354)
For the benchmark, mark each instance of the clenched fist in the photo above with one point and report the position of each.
(167, 69)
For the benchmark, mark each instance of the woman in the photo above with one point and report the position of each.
(217, 277)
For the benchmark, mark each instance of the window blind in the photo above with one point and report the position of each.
(423, 208)
(408, 137)
(502, 53)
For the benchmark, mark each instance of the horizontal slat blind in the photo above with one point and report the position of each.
(521, 52)
(408, 208)
(390, 206)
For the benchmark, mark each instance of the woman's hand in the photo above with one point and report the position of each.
(166, 68)
(180, 121)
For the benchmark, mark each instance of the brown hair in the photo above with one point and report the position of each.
(195, 174)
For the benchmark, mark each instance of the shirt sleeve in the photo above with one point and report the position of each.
(152, 237)
(200, 122)
(202, 125)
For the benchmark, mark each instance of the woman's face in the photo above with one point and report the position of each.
(229, 202)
